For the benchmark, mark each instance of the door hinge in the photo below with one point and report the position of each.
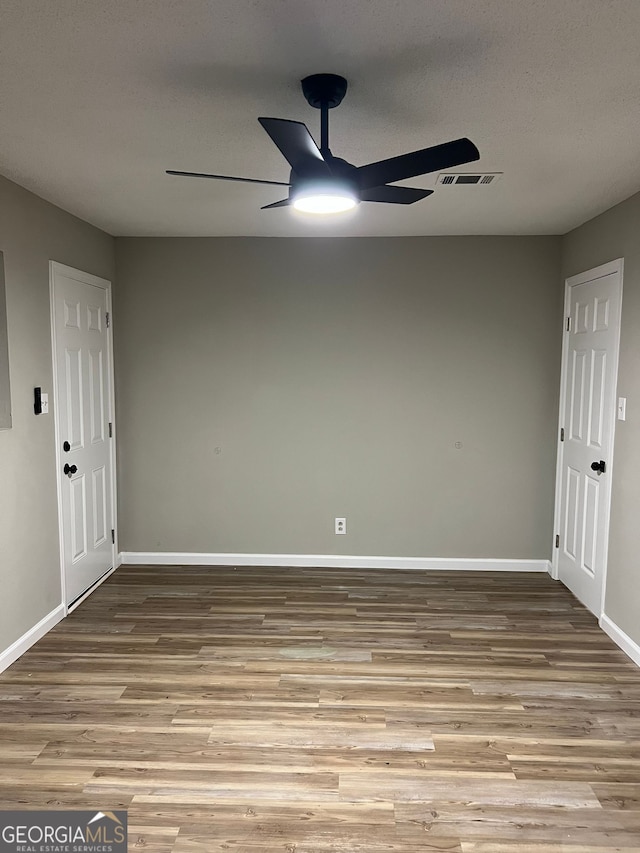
(111, 430)
(561, 432)
(557, 540)
(107, 319)
(568, 324)
(113, 536)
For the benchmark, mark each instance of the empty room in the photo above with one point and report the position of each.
(319, 455)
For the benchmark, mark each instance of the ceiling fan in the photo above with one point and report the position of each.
(322, 183)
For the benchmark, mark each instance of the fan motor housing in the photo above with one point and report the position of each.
(342, 173)
(324, 90)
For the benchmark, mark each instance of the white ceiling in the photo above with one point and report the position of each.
(98, 98)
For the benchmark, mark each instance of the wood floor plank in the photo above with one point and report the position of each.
(422, 787)
(503, 823)
(330, 711)
(541, 847)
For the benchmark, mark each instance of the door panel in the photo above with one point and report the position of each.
(73, 395)
(82, 396)
(78, 518)
(588, 408)
(100, 506)
(96, 396)
(571, 527)
(596, 425)
(590, 547)
(577, 396)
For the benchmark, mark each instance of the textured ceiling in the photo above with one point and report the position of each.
(97, 99)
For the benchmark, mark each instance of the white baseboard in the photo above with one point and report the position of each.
(628, 646)
(24, 643)
(329, 561)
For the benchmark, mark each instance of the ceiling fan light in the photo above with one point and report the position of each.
(324, 198)
(324, 204)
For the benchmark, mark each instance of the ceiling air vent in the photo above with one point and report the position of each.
(468, 178)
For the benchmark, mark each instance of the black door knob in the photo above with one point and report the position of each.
(600, 466)
(66, 447)
(70, 469)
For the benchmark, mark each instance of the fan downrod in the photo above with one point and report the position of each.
(324, 90)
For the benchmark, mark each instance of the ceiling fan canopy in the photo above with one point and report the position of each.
(319, 182)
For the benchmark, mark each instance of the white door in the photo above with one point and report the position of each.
(83, 403)
(587, 419)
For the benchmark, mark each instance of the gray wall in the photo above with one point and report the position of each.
(616, 234)
(31, 233)
(335, 377)
(5, 379)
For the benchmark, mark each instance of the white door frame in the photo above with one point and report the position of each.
(85, 278)
(616, 266)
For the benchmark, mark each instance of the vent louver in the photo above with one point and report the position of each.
(469, 179)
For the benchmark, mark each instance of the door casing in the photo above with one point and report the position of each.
(95, 281)
(616, 266)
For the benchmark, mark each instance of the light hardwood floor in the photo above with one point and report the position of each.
(301, 710)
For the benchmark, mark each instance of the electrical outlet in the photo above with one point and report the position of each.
(341, 525)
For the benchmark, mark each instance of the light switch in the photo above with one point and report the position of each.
(622, 408)
(44, 399)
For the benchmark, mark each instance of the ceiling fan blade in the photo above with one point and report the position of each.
(227, 178)
(394, 195)
(296, 145)
(418, 163)
(283, 203)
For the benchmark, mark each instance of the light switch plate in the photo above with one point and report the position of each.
(45, 403)
(622, 408)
